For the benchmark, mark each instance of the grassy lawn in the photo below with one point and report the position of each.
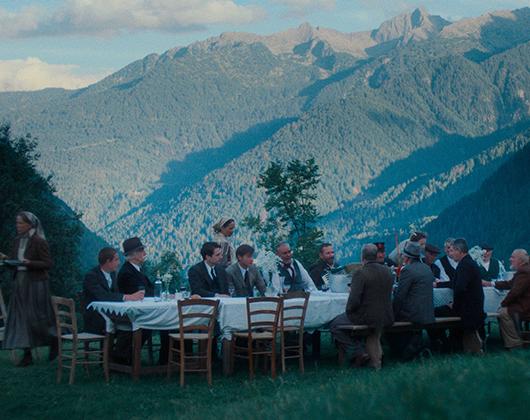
(494, 386)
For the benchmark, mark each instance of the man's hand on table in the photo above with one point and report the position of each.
(139, 295)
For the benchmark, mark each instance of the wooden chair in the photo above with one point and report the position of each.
(80, 351)
(195, 325)
(292, 323)
(263, 315)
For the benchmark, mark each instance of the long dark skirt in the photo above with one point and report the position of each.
(30, 319)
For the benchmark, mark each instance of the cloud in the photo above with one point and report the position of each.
(298, 8)
(111, 17)
(34, 74)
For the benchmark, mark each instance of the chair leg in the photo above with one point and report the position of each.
(85, 358)
(169, 357)
(150, 349)
(301, 352)
(182, 359)
(209, 361)
(273, 359)
(60, 362)
(282, 350)
(74, 361)
(250, 360)
(106, 358)
(232, 354)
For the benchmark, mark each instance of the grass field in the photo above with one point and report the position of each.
(493, 386)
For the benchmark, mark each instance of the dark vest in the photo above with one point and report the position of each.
(295, 284)
(493, 271)
(449, 270)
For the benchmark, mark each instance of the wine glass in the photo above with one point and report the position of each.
(231, 289)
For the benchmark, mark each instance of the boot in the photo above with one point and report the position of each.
(26, 360)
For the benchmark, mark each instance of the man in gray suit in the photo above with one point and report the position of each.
(369, 304)
(244, 275)
(413, 302)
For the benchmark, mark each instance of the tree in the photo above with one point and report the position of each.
(168, 264)
(22, 187)
(291, 212)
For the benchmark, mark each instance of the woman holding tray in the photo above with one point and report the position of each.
(30, 319)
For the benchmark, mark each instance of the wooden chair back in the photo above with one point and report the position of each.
(263, 313)
(65, 317)
(197, 315)
(294, 311)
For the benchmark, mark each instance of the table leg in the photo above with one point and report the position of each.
(228, 369)
(315, 345)
(136, 353)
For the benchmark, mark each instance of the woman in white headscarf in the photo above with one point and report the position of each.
(30, 318)
(222, 231)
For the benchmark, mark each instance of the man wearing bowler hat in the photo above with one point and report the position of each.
(130, 280)
(130, 277)
(491, 269)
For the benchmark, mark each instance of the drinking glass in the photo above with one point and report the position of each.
(231, 290)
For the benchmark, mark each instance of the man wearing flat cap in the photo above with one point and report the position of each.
(413, 302)
(491, 269)
(431, 254)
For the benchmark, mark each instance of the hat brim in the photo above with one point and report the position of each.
(138, 248)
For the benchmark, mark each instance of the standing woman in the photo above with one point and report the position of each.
(222, 231)
(30, 318)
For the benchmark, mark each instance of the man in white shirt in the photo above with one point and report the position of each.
(291, 276)
(447, 265)
(99, 285)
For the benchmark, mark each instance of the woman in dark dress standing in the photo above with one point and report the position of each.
(30, 318)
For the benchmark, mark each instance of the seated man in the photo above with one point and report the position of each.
(369, 304)
(208, 278)
(243, 274)
(132, 280)
(491, 269)
(325, 264)
(447, 266)
(431, 253)
(130, 277)
(516, 304)
(468, 299)
(99, 284)
(294, 275)
(413, 302)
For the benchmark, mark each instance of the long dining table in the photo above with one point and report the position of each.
(149, 314)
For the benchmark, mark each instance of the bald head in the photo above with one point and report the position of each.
(369, 253)
(518, 259)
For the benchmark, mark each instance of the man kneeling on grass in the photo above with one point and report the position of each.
(369, 304)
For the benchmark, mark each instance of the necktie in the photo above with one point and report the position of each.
(214, 276)
(247, 283)
(289, 269)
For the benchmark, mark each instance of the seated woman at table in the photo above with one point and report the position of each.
(99, 285)
(223, 230)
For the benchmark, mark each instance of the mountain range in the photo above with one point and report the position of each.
(403, 121)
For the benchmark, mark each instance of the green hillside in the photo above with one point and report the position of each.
(497, 213)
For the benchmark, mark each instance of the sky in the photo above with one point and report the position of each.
(72, 43)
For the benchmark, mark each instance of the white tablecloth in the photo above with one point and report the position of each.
(322, 308)
(232, 316)
(492, 298)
